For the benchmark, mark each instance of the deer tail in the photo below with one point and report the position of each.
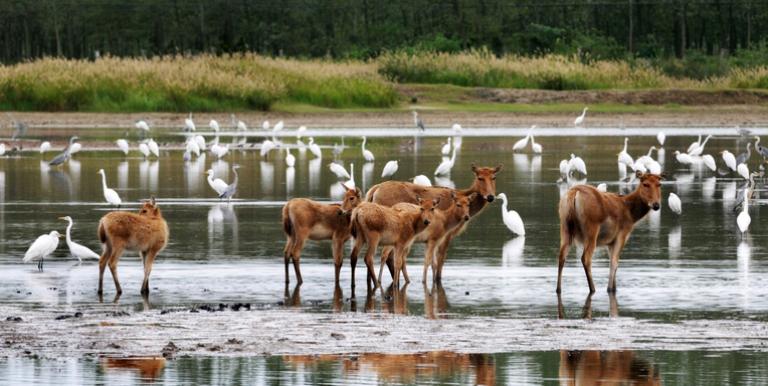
(569, 212)
(287, 224)
(102, 233)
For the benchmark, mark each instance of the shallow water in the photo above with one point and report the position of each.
(674, 269)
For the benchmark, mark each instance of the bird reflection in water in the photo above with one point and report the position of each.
(267, 170)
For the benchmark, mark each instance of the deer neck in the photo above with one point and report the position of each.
(637, 207)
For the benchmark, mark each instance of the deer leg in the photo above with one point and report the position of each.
(373, 243)
(338, 258)
(565, 245)
(113, 260)
(287, 256)
(149, 260)
(439, 259)
(103, 265)
(399, 262)
(386, 254)
(615, 250)
(405, 266)
(429, 256)
(586, 259)
(298, 245)
(353, 257)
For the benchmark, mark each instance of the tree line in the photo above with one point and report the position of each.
(32, 29)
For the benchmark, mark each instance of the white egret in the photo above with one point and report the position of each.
(639, 166)
(75, 249)
(350, 184)
(675, 204)
(241, 126)
(700, 148)
(520, 144)
(445, 167)
(422, 180)
(646, 158)
(743, 219)
(577, 164)
(200, 142)
(217, 184)
(300, 131)
(709, 161)
(278, 126)
(580, 119)
(730, 159)
(743, 171)
(154, 148)
(339, 171)
(624, 157)
(265, 125)
(193, 147)
(123, 145)
(266, 147)
(390, 169)
(42, 247)
(683, 158)
(144, 149)
(290, 160)
(661, 137)
(456, 128)
(189, 124)
(367, 153)
(109, 194)
(445, 150)
(142, 125)
(219, 150)
(536, 147)
(214, 125)
(602, 187)
(694, 144)
(231, 188)
(654, 167)
(315, 148)
(511, 218)
(564, 168)
(75, 148)
(45, 146)
(2, 150)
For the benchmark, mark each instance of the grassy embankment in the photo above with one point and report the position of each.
(438, 81)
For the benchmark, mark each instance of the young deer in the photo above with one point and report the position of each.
(145, 232)
(375, 224)
(484, 189)
(306, 219)
(592, 218)
(437, 232)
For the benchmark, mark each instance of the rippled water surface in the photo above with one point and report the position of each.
(675, 268)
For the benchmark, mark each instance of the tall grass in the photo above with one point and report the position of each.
(202, 83)
(480, 68)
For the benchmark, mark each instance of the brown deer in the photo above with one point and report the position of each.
(374, 224)
(434, 236)
(484, 189)
(306, 219)
(145, 232)
(592, 218)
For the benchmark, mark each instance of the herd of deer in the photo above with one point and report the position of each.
(395, 214)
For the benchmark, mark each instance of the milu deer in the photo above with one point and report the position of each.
(592, 218)
(306, 219)
(145, 232)
(483, 187)
(435, 235)
(374, 224)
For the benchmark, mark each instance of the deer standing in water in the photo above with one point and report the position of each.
(374, 224)
(593, 218)
(483, 187)
(306, 219)
(145, 232)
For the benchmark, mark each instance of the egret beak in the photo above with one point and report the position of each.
(62, 218)
(61, 236)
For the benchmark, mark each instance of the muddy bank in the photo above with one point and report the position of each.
(704, 116)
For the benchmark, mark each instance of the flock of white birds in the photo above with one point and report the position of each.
(569, 168)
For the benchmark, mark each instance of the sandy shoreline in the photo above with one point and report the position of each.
(704, 116)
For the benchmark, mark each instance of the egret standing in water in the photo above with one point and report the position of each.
(743, 171)
(446, 149)
(683, 158)
(367, 153)
(214, 125)
(675, 204)
(511, 218)
(217, 184)
(45, 146)
(536, 147)
(123, 146)
(422, 180)
(624, 157)
(743, 220)
(290, 160)
(418, 122)
(231, 189)
(155, 149)
(278, 126)
(661, 137)
(445, 167)
(709, 161)
(75, 249)
(144, 149)
(109, 194)
(519, 145)
(390, 169)
(580, 119)
(577, 164)
(315, 148)
(142, 125)
(189, 124)
(339, 171)
(42, 247)
(64, 156)
(729, 159)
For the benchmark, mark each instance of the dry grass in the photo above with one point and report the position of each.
(202, 83)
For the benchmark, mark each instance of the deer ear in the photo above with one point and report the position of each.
(418, 199)
(453, 194)
(639, 174)
(498, 168)
(436, 201)
(358, 191)
(474, 168)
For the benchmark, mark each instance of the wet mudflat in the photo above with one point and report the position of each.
(691, 283)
